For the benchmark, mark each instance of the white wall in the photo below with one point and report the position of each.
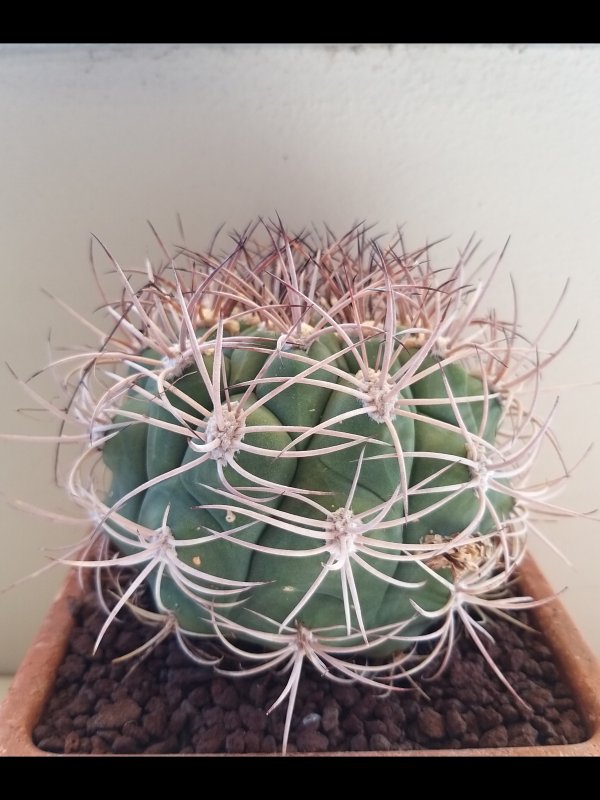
(445, 139)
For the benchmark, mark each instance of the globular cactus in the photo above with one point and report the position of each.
(313, 451)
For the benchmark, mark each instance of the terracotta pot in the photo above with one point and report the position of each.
(32, 685)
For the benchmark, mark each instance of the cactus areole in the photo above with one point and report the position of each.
(308, 449)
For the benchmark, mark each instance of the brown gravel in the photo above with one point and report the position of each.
(163, 704)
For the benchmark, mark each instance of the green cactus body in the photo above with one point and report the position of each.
(140, 452)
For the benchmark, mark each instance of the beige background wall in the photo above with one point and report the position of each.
(447, 140)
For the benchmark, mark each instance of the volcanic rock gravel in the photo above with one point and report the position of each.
(163, 703)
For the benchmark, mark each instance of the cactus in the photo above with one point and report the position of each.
(309, 451)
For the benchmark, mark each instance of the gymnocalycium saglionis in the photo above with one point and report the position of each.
(309, 449)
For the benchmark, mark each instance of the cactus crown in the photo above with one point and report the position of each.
(310, 450)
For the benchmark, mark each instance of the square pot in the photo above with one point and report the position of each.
(579, 668)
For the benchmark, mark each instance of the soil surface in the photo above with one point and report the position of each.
(163, 703)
